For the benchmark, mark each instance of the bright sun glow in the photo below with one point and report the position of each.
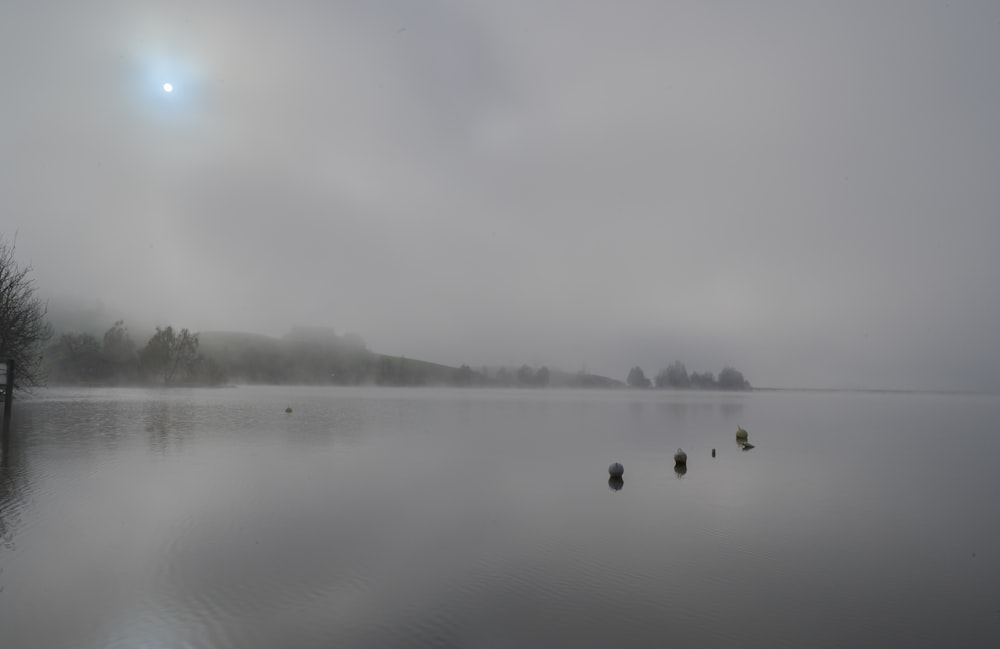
(168, 87)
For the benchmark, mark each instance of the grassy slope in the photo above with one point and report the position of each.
(229, 348)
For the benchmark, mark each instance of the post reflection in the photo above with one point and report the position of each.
(167, 424)
(12, 475)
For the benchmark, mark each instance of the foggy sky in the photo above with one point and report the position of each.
(809, 191)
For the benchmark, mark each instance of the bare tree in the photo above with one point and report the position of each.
(23, 326)
(168, 351)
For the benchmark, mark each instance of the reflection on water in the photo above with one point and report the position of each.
(12, 483)
(731, 408)
(692, 405)
(397, 518)
(168, 424)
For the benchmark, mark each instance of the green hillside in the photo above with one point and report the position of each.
(318, 355)
(306, 355)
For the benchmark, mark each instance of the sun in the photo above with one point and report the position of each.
(168, 87)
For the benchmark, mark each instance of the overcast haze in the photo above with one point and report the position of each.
(806, 191)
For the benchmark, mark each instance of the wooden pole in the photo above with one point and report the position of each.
(8, 395)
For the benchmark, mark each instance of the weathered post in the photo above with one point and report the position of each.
(8, 393)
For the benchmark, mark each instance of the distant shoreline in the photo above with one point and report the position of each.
(550, 388)
(878, 391)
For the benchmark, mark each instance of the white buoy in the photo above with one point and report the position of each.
(680, 457)
(616, 470)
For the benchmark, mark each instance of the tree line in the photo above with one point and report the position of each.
(502, 377)
(306, 355)
(675, 376)
(169, 357)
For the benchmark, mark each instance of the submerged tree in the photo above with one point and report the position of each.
(23, 326)
(705, 380)
(731, 378)
(119, 351)
(75, 357)
(167, 352)
(673, 376)
(637, 378)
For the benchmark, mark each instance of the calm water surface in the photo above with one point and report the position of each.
(466, 518)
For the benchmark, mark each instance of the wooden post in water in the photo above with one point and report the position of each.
(8, 393)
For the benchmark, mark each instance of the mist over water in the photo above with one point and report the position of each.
(568, 193)
(380, 517)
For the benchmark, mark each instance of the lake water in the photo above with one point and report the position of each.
(377, 517)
